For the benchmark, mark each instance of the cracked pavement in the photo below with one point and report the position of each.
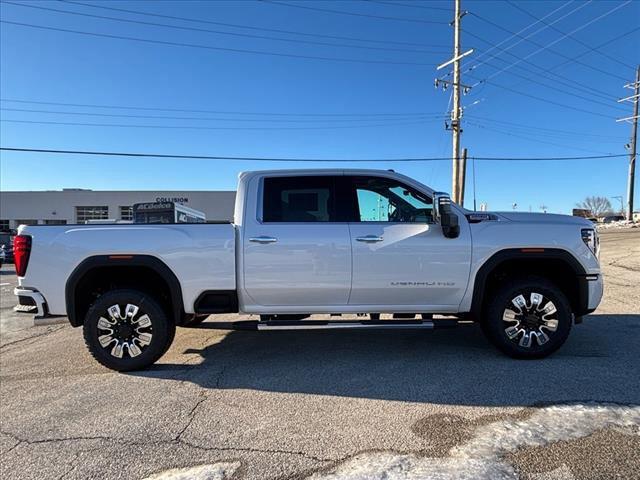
(289, 404)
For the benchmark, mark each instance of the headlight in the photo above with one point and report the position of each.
(590, 238)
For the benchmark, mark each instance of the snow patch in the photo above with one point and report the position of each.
(618, 224)
(482, 456)
(391, 466)
(548, 425)
(216, 471)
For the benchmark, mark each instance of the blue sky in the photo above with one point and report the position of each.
(345, 102)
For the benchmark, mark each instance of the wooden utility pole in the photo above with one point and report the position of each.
(457, 176)
(455, 112)
(462, 172)
(635, 98)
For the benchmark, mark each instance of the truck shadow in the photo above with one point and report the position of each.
(599, 362)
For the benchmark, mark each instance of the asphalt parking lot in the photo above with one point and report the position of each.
(330, 405)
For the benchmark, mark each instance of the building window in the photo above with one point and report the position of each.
(55, 222)
(91, 213)
(26, 222)
(126, 213)
(4, 225)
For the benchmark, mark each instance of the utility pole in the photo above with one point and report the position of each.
(457, 181)
(455, 113)
(634, 137)
(462, 174)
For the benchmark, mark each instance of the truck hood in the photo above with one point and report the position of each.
(545, 218)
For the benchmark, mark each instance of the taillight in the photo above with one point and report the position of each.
(21, 252)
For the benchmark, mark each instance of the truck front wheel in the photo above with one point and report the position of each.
(127, 330)
(527, 318)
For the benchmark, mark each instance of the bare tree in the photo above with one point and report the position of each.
(598, 206)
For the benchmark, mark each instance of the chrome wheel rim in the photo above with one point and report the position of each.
(530, 320)
(125, 335)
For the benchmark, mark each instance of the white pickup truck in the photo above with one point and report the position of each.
(359, 243)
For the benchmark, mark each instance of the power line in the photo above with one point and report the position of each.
(535, 140)
(555, 51)
(305, 114)
(235, 34)
(250, 27)
(546, 72)
(577, 40)
(597, 47)
(548, 130)
(354, 14)
(271, 159)
(197, 127)
(573, 83)
(517, 34)
(546, 47)
(542, 99)
(554, 87)
(165, 117)
(208, 47)
(398, 4)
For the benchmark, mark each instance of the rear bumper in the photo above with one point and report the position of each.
(32, 298)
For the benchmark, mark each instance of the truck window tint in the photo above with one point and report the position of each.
(386, 200)
(298, 199)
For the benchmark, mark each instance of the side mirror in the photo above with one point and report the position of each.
(444, 215)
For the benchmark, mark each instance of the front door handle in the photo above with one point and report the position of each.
(263, 239)
(369, 239)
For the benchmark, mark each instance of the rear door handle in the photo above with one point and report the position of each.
(263, 239)
(369, 239)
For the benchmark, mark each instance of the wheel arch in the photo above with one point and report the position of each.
(126, 269)
(557, 265)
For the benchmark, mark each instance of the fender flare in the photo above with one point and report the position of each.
(120, 260)
(533, 253)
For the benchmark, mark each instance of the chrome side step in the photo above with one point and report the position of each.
(352, 324)
(371, 324)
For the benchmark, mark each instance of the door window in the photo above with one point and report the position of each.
(386, 200)
(299, 199)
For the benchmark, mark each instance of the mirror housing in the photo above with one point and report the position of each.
(444, 215)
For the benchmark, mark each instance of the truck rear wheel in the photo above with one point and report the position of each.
(528, 317)
(127, 330)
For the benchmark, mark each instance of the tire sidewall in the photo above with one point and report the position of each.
(161, 330)
(494, 326)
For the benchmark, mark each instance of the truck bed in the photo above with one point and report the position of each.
(202, 256)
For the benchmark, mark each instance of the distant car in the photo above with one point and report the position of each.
(7, 253)
(612, 218)
(592, 219)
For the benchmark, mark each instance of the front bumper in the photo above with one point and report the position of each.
(31, 298)
(595, 290)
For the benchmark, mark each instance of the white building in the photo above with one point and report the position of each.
(74, 205)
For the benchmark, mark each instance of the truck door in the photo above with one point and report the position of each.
(400, 257)
(296, 252)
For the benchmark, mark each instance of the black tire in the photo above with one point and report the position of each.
(523, 336)
(149, 340)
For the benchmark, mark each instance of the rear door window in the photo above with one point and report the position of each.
(308, 199)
